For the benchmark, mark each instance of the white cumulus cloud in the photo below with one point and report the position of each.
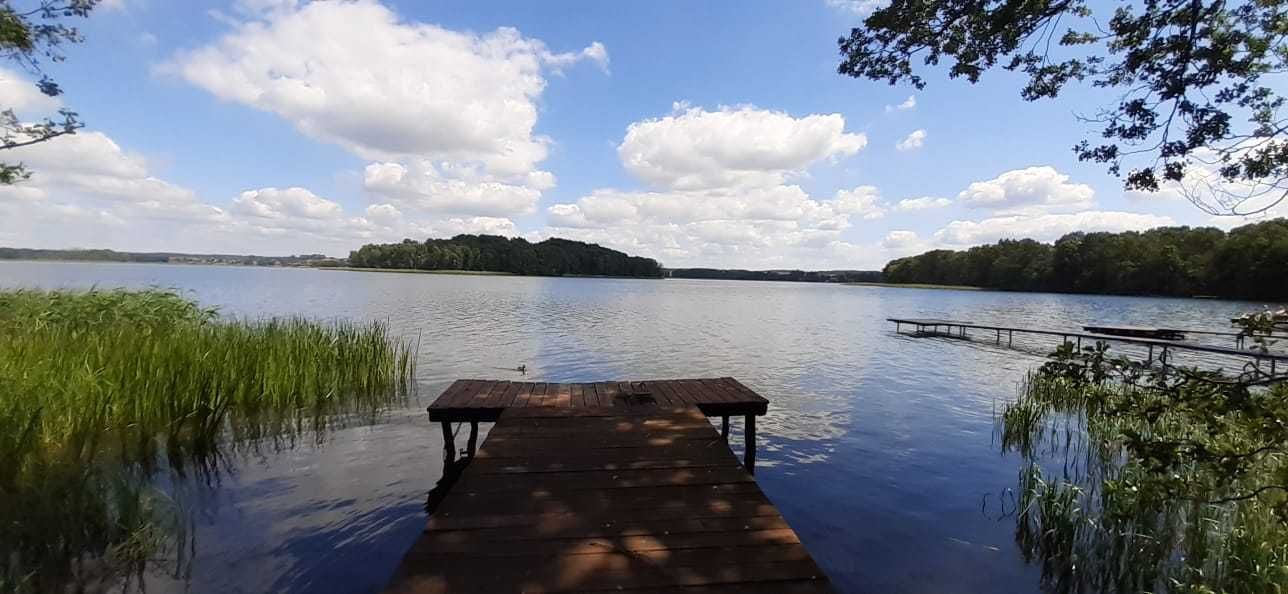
(1034, 189)
(718, 192)
(1043, 227)
(863, 201)
(447, 117)
(922, 203)
(355, 74)
(912, 142)
(734, 146)
(285, 204)
(420, 186)
(909, 103)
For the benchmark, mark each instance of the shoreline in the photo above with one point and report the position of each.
(480, 273)
(919, 286)
(413, 271)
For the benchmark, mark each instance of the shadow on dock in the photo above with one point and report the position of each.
(638, 498)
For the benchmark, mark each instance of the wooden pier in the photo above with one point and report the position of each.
(474, 401)
(1137, 332)
(1275, 363)
(613, 486)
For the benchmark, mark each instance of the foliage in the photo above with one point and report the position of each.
(26, 36)
(1187, 74)
(1250, 262)
(102, 390)
(1148, 478)
(492, 253)
(1261, 326)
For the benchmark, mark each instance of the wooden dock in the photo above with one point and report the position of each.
(573, 493)
(474, 401)
(1273, 362)
(1138, 332)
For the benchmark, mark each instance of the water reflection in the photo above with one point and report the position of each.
(878, 449)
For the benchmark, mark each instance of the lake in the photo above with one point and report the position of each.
(879, 449)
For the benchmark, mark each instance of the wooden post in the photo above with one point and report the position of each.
(724, 428)
(472, 445)
(749, 445)
(449, 444)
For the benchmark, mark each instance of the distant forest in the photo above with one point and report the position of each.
(493, 253)
(806, 276)
(89, 255)
(1249, 262)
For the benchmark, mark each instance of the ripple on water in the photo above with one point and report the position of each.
(878, 448)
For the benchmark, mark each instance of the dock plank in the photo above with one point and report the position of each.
(564, 497)
(484, 400)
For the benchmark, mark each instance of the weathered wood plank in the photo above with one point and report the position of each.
(605, 526)
(484, 400)
(618, 496)
(751, 506)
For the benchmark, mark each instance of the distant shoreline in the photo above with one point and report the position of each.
(415, 271)
(919, 286)
(160, 263)
(481, 273)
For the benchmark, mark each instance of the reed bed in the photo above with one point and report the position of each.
(1141, 482)
(102, 390)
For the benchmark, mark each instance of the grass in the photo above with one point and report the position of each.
(102, 390)
(1137, 481)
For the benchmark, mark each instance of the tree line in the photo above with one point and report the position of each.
(101, 255)
(493, 253)
(1249, 262)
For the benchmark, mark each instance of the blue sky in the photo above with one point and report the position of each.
(711, 133)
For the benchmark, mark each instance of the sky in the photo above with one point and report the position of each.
(700, 134)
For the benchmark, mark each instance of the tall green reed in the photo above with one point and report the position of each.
(100, 390)
(1143, 479)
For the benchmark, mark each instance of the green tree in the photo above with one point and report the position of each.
(552, 257)
(28, 35)
(1250, 262)
(1188, 73)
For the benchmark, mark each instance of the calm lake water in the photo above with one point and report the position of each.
(879, 449)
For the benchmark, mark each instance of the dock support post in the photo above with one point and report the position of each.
(999, 336)
(749, 445)
(472, 445)
(1010, 336)
(724, 428)
(449, 443)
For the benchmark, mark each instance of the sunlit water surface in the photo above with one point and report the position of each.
(879, 449)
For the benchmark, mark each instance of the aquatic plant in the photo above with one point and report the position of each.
(1148, 478)
(102, 390)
